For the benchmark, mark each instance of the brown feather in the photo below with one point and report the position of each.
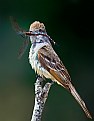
(51, 59)
(51, 62)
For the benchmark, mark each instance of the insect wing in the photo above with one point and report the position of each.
(23, 48)
(21, 32)
(17, 28)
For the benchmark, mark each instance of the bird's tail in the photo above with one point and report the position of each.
(79, 100)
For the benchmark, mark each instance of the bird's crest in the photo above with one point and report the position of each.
(36, 26)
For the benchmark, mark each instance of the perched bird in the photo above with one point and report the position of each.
(47, 64)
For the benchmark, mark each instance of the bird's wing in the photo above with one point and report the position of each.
(51, 62)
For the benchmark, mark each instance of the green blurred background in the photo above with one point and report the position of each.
(71, 24)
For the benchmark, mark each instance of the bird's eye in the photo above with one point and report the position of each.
(40, 30)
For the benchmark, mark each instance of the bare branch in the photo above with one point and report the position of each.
(41, 94)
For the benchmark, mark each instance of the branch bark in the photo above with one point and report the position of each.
(41, 94)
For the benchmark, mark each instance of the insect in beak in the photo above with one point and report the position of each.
(31, 34)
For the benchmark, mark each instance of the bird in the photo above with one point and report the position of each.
(47, 64)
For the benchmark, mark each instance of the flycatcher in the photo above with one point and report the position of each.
(46, 62)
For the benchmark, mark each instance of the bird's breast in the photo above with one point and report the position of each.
(36, 65)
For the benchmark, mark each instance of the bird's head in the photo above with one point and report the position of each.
(37, 33)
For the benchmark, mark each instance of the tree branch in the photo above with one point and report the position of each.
(41, 94)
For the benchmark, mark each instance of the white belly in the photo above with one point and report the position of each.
(37, 66)
(33, 60)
